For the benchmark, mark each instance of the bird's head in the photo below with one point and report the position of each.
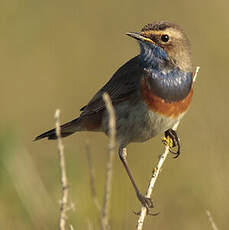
(164, 43)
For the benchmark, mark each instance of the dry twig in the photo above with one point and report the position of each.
(153, 179)
(212, 222)
(63, 175)
(111, 152)
(156, 172)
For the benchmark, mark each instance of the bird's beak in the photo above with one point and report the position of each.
(139, 37)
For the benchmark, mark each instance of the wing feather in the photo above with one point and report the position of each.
(121, 85)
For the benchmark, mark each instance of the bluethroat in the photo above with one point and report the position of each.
(150, 93)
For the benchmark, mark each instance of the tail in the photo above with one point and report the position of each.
(66, 129)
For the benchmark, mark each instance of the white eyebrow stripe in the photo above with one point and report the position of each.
(170, 31)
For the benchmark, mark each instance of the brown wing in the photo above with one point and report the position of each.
(120, 86)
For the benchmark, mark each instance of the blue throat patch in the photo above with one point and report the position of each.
(170, 83)
(152, 56)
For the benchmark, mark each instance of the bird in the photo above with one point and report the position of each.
(149, 93)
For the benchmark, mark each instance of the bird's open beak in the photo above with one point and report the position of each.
(139, 37)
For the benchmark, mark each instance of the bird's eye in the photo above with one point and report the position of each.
(164, 37)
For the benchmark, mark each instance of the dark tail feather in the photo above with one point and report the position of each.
(66, 129)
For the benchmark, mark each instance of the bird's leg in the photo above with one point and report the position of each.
(147, 202)
(171, 139)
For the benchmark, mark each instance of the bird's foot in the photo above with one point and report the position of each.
(171, 139)
(147, 203)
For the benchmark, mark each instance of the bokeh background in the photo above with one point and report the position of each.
(57, 54)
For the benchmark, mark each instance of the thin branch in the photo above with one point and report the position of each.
(156, 172)
(111, 152)
(92, 178)
(63, 175)
(196, 73)
(212, 222)
(153, 179)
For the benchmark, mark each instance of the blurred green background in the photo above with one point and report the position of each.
(57, 54)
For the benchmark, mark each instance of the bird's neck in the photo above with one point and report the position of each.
(163, 77)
